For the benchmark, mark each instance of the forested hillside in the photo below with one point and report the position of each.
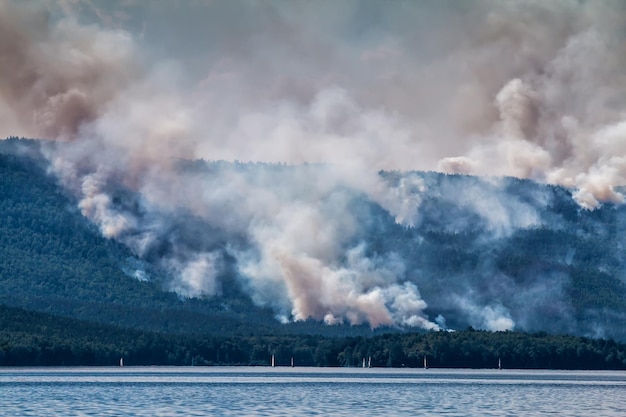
(488, 253)
(36, 339)
(54, 260)
(518, 250)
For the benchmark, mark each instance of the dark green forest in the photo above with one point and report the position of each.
(69, 296)
(53, 260)
(36, 339)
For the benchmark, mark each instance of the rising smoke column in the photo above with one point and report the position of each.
(120, 127)
(422, 86)
(561, 120)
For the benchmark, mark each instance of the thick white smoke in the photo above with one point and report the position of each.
(529, 89)
(562, 121)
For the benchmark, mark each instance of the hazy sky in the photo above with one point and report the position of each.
(524, 88)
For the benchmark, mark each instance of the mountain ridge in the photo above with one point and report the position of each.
(482, 252)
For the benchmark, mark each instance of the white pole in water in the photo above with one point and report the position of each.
(273, 361)
(292, 365)
(121, 361)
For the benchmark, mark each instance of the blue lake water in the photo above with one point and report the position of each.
(259, 391)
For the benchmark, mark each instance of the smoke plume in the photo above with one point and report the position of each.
(125, 92)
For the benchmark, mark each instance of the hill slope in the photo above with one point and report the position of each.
(487, 253)
(53, 260)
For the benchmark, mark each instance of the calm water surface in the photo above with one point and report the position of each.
(235, 391)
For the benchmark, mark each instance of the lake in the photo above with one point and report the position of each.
(264, 391)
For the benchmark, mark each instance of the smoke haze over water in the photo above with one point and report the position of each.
(128, 89)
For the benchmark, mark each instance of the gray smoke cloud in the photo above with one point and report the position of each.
(560, 120)
(130, 88)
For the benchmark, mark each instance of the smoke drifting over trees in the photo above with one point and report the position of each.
(124, 91)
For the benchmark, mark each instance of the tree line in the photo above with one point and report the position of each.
(35, 339)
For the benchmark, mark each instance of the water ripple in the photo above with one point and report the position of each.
(170, 392)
